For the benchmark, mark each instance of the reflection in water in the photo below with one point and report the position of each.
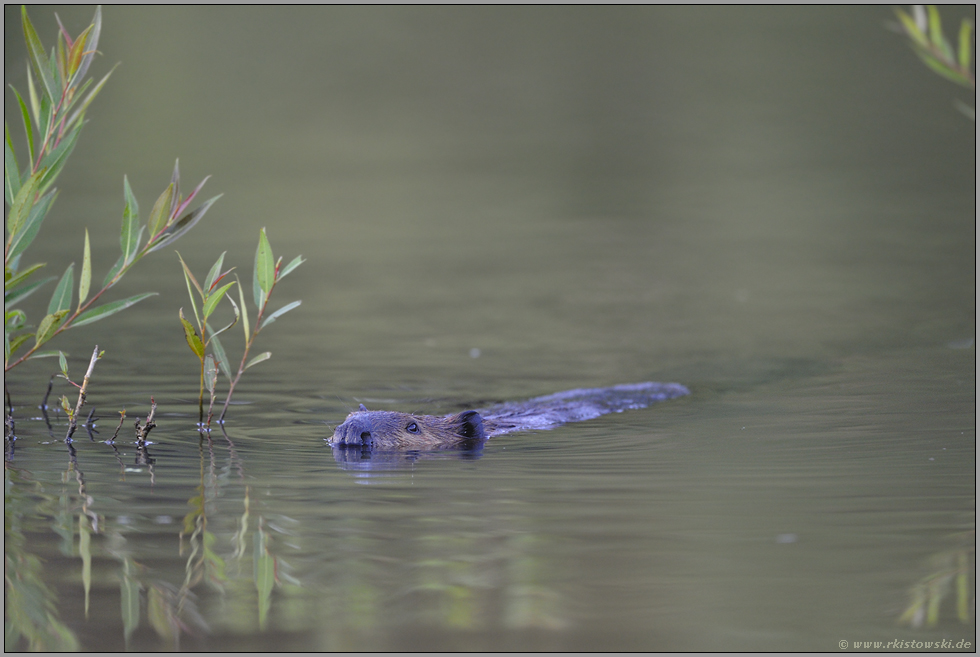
(358, 458)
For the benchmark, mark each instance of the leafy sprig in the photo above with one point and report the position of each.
(52, 123)
(925, 32)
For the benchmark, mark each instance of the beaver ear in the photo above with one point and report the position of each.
(471, 425)
(362, 407)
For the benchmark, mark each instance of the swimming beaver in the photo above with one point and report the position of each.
(387, 430)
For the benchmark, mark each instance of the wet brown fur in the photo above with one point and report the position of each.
(394, 430)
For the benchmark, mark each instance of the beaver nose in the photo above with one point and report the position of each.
(355, 431)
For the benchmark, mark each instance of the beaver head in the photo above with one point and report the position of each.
(393, 430)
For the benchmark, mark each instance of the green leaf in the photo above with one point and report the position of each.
(43, 354)
(213, 300)
(48, 327)
(75, 54)
(11, 171)
(264, 265)
(15, 280)
(129, 237)
(966, 52)
(38, 58)
(936, 33)
(296, 262)
(186, 222)
(28, 128)
(161, 210)
(63, 363)
(911, 28)
(228, 326)
(193, 340)
(61, 298)
(15, 296)
(92, 43)
(86, 276)
(282, 311)
(215, 272)
(210, 373)
(113, 271)
(258, 359)
(241, 297)
(16, 343)
(55, 160)
(943, 69)
(23, 202)
(111, 308)
(80, 112)
(219, 353)
(31, 226)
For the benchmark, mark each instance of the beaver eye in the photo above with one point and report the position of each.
(413, 428)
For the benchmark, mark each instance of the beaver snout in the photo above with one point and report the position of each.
(355, 430)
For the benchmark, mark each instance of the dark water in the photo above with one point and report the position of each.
(774, 207)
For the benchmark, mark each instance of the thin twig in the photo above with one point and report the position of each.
(73, 420)
(143, 431)
(122, 418)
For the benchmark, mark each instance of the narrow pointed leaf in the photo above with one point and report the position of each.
(61, 63)
(37, 55)
(75, 52)
(55, 160)
(936, 32)
(32, 95)
(12, 298)
(28, 128)
(258, 359)
(210, 373)
(17, 342)
(114, 270)
(175, 181)
(48, 327)
(43, 354)
(128, 238)
(241, 297)
(279, 313)
(11, 171)
(966, 52)
(161, 210)
(193, 340)
(28, 231)
(296, 262)
(944, 70)
(219, 353)
(92, 43)
(86, 276)
(78, 113)
(190, 277)
(227, 326)
(215, 272)
(264, 264)
(17, 279)
(61, 298)
(111, 308)
(186, 222)
(63, 363)
(183, 205)
(22, 204)
(213, 299)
